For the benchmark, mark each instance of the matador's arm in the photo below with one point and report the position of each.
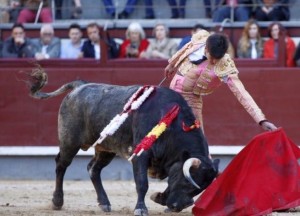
(228, 73)
(243, 96)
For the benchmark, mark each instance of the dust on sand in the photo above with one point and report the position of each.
(33, 198)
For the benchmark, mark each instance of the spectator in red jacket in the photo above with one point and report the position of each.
(135, 42)
(271, 46)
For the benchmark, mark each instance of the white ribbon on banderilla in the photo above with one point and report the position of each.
(132, 104)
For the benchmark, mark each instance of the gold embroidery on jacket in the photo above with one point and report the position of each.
(186, 66)
(225, 66)
(202, 83)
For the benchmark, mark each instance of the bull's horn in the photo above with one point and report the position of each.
(191, 162)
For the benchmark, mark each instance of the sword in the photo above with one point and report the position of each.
(162, 81)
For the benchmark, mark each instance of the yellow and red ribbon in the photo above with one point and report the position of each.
(153, 135)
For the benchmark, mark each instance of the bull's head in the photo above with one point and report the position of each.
(186, 179)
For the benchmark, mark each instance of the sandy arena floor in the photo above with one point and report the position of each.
(33, 198)
(27, 198)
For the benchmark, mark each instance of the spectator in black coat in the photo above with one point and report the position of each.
(91, 47)
(272, 10)
(17, 46)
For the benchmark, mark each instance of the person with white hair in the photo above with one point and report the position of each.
(161, 47)
(135, 42)
(47, 46)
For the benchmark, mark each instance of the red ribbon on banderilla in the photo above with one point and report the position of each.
(192, 127)
(153, 135)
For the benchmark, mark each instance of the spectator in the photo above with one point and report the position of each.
(209, 7)
(241, 10)
(271, 46)
(162, 47)
(77, 10)
(177, 10)
(30, 10)
(4, 15)
(272, 10)
(47, 46)
(91, 47)
(297, 55)
(17, 46)
(9, 11)
(111, 9)
(135, 42)
(71, 49)
(14, 10)
(187, 39)
(250, 44)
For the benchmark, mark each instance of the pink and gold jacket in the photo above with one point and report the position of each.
(193, 81)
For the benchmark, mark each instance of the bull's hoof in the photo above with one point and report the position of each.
(57, 201)
(57, 204)
(141, 212)
(56, 208)
(155, 197)
(167, 210)
(105, 208)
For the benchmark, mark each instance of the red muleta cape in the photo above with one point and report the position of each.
(263, 177)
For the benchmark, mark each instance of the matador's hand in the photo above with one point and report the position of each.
(268, 126)
(169, 71)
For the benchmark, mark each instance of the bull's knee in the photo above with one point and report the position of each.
(57, 200)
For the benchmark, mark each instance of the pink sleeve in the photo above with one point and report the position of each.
(243, 96)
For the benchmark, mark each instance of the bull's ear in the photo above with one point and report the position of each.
(216, 164)
(185, 155)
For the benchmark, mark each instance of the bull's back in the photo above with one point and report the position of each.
(86, 110)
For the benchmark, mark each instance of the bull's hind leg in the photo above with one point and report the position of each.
(101, 160)
(63, 160)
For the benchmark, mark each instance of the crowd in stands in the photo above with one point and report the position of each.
(243, 10)
(29, 11)
(136, 44)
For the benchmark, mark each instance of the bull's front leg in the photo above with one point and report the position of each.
(140, 167)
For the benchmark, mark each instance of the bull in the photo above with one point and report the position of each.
(181, 157)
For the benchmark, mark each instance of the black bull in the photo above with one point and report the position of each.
(176, 154)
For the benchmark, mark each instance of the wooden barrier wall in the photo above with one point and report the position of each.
(25, 121)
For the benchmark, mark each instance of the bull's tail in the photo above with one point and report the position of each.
(38, 78)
